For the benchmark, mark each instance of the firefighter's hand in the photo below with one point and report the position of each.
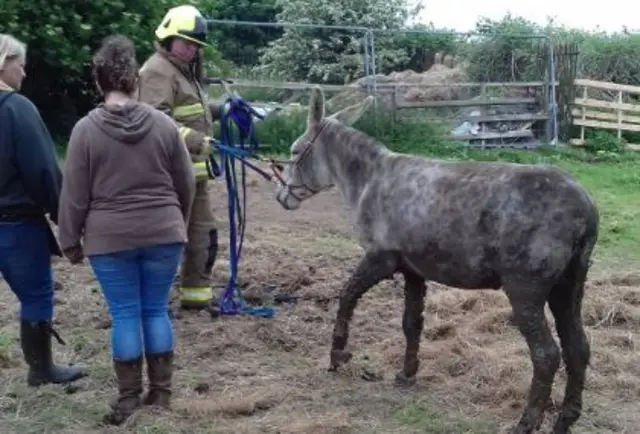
(205, 150)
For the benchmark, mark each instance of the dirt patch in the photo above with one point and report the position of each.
(255, 375)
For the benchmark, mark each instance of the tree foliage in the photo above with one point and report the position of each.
(332, 55)
(62, 35)
(502, 54)
(240, 43)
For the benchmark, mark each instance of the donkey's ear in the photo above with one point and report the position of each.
(316, 106)
(350, 115)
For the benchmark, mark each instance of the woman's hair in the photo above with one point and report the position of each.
(114, 65)
(10, 48)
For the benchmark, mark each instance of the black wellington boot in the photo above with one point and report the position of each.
(35, 339)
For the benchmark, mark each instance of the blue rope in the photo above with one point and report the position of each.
(240, 115)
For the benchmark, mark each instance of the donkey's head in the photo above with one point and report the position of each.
(307, 172)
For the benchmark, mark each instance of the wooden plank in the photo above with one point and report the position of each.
(291, 85)
(605, 116)
(465, 103)
(509, 84)
(579, 143)
(524, 117)
(606, 125)
(606, 85)
(589, 102)
(492, 135)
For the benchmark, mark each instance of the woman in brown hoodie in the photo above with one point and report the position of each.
(127, 189)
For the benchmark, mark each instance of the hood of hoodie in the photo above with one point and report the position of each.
(5, 86)
(128, 123)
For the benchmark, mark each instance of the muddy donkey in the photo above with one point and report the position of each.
(528, 229)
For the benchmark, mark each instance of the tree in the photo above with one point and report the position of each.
(331, 55)
(238, 43)
(63, 34)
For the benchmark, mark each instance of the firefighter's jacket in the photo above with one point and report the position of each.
(169, 84)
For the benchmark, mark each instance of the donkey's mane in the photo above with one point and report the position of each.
(352, 141)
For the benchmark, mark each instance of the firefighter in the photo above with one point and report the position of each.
(170, 80)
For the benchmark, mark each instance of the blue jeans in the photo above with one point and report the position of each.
(136, 285)
(25, 263)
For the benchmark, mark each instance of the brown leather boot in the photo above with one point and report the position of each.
(160, 371)
(129, 377)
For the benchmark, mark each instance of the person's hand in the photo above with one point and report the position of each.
(216, 111)
(206, 146)
(75, 255)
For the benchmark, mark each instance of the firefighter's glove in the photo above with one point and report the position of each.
(205, 149)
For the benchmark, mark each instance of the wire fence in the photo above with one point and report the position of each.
(488, 89)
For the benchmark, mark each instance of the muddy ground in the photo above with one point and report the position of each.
(255, 375)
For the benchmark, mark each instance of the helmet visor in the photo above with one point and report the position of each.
(199, 32)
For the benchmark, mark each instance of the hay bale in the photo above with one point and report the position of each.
(412, 86)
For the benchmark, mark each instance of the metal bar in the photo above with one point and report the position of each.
(367, 71)
(468, 34)
(285, 25)
(373, 66)
(466, 103)
(372, 29)
(552, 100)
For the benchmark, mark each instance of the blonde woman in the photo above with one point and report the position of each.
(30, 182)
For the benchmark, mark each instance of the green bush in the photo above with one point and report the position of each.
(605, 142)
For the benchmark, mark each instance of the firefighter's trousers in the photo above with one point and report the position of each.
(200, 252)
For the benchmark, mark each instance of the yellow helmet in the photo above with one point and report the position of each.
(183, 21)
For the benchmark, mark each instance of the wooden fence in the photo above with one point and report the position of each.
(536, 113)
(602, 105)
(390, 92)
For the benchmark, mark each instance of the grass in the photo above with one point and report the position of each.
(242, 375)
(428, 420)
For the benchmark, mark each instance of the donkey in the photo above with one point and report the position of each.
(528, 229)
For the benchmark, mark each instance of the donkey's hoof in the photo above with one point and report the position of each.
(521, 429)
(560, 427)
(339, 357)
(403, 381)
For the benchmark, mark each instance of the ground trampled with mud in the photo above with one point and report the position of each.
(254, 375)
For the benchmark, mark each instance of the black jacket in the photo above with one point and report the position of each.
(30, 177)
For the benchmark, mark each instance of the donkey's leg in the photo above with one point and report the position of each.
(565, 302)
(528, 298)
(373, 268)
(415, 290)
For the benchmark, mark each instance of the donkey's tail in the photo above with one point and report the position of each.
(574, 276)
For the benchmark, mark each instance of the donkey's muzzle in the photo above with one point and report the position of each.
(283, 196)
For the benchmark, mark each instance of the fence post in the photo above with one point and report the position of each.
(367, 64)
(552, 100)
(619, 110)
(585, 95)
(372, 68)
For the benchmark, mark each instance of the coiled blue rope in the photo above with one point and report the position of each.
(238, 117)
